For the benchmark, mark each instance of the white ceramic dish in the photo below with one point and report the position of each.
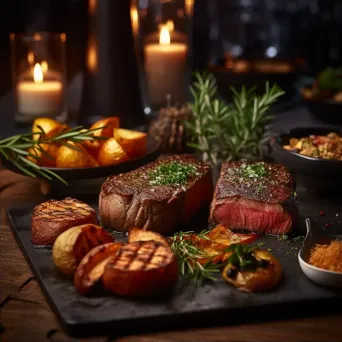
(317, 275)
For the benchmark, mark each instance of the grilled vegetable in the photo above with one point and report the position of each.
(141, 269)
(133, 142)
(91, 267)
(137, 234)
(252, 270)
(72, 245)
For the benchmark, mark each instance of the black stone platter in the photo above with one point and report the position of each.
(212, 304)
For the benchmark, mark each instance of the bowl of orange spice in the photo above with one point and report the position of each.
(321, 258)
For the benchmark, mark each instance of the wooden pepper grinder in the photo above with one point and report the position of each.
(111, 82)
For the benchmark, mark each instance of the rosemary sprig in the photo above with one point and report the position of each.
(221, 131)
(188, 256)
(16, 149)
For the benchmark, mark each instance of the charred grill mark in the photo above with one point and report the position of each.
(142, 256)
(62, 210)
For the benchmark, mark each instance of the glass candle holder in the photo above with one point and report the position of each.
(38, 76)
(161, 31)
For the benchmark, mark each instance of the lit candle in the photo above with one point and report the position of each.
(39, 96)
(134, 21)
(165, 66)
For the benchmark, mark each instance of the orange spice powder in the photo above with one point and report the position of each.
(328, 257)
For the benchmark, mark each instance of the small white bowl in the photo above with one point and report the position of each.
(319, 275)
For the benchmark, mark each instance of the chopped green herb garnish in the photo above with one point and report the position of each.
(283, 237)
(172, 173)
(256, 170)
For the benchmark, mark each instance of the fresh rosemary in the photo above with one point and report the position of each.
(16, 149)
(221, 131)
(189, 255)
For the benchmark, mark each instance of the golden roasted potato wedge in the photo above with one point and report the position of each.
(68, 157)
(133, 142)
(42, 159)
(266, 274)
(50, 126)
(111, 153)
(91, 267)
(137, 234)
(72, 245)
(108, 125)
(141, 269)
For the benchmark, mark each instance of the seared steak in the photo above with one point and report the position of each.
(258, 197)
(52, 218)
(145, 199)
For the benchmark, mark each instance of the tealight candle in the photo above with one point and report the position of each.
(39, 96)
(165, 66)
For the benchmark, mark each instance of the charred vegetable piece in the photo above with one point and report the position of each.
(252, 270)
(91, 267)
(137, 234)
(141, 269)
(73, 244)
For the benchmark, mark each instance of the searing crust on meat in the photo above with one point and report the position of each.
(266, 206)
(51, 218)
(128, 200)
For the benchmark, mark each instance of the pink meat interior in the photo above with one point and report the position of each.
(242, 213)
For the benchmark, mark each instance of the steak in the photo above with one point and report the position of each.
(133, 200)
(259, 197)
(52, 218)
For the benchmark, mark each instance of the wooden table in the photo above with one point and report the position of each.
(26, 316)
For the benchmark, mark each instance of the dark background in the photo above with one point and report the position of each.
(309, 29)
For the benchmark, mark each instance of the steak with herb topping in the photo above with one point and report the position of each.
(158, 196)
(259, 197)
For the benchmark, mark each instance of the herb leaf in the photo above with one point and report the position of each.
(15, 149)
(188, 256)
(221, 131)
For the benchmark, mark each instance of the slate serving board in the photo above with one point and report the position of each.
(211, 304)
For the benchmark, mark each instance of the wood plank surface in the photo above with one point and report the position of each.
(26, 316)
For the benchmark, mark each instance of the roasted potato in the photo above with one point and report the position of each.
(91, 267)
(68, 157)
(141, 269)
(50, 127)
(137, 234)
(266, 275)
(47, 159)
(73, 244)
(108, 125)
(111, 153)
(133, 142)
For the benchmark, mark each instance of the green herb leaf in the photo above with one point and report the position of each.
(221, 131)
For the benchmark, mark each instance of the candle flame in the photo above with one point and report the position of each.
(44, 66)
(38, 73)
(170, 25)
(189, 5)
(30, 58)
(164, 37)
